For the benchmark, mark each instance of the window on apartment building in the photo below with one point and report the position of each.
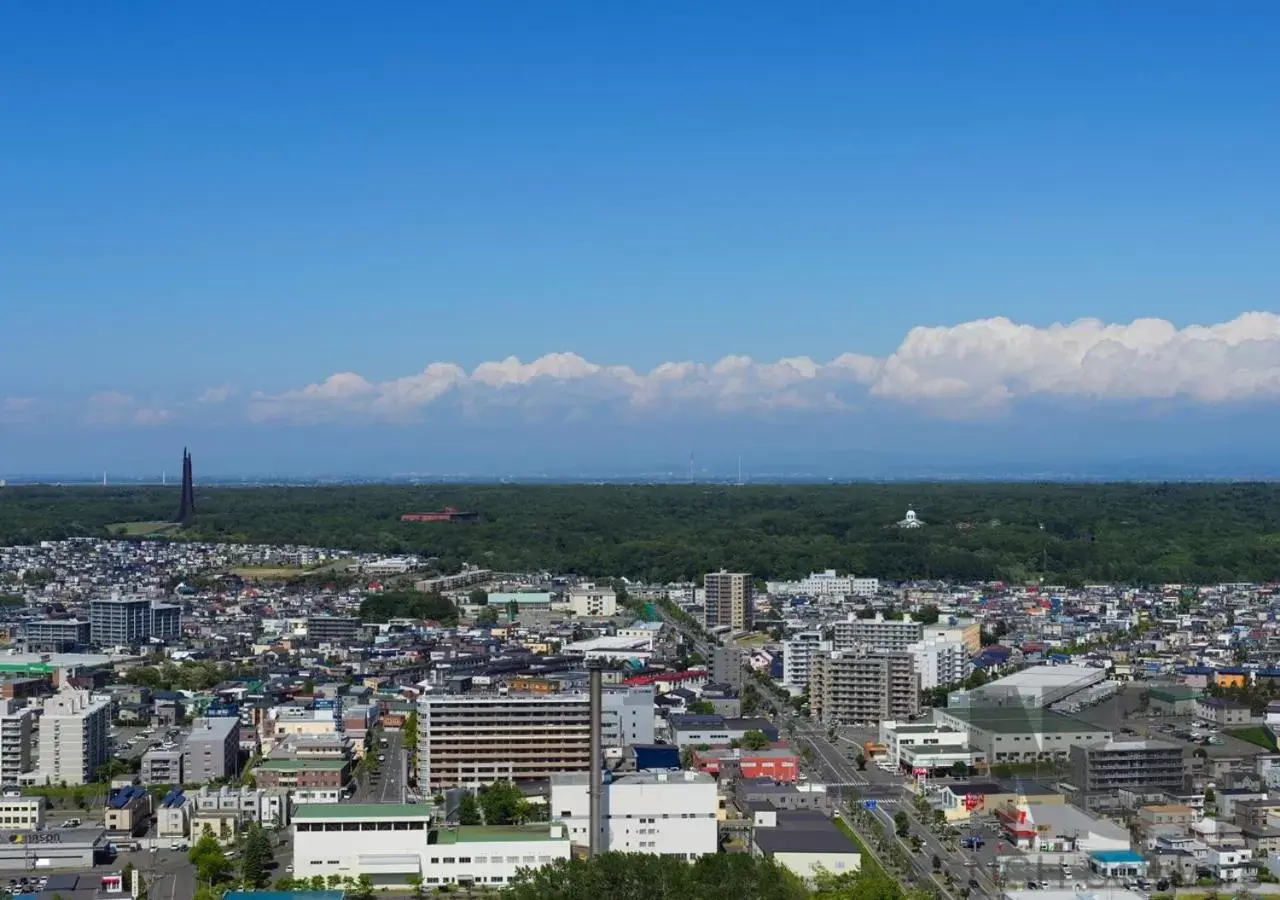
(448, 860)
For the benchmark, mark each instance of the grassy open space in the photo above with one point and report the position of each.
(267, 573)
(868, 858)
(1254, 734)
(141, 529)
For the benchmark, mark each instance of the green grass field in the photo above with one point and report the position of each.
(140, 529)
(1254, 734)
(267, 573)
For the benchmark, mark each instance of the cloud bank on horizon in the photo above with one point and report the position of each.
(970, 368)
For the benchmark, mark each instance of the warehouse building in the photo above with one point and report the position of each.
(1033, 688)
(1020, 735)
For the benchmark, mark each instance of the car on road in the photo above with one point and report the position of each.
(973, 883)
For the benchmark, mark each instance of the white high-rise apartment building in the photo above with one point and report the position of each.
(940, 662)
(730, 600)
(15, 740)
(878, 633)
(73, 736)
(663, 813)
(797, 658)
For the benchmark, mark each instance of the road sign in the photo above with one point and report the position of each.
(868, 804)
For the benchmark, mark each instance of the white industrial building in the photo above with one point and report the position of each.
(391, 565)
(827, 584)
(73, 737)
(1032, 688)
(797, 658)
(612, 647)
(927, 745)
(663, 813)
(940, 662)
(394, 844)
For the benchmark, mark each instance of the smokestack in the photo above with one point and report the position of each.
(595, 784)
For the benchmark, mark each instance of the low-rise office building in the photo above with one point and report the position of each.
(592, 601)
(1118, 765)
(778, 764)
(212, 749)
(56, 635)
(160, 766)
(333, 629)
(690, 730)
(928, 747)
(22, 813)
(313, 781)
(396, 844)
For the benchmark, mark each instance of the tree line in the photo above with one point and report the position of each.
(1064, 533)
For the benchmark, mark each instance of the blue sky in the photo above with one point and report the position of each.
(236, 204)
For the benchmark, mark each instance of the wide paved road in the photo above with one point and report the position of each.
(391, 785)
(851, 786)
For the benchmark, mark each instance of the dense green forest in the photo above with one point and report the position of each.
(1065, 533)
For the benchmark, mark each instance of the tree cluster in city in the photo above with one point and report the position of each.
(385, 605)
(635, 876)
(1065, 533)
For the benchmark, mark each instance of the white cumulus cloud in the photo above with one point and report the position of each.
(961, 368)
(107, 408)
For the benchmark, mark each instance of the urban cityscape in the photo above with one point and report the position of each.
(189, 718)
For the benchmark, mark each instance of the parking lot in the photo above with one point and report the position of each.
(1123, 715)
(131, 741)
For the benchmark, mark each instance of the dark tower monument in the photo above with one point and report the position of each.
(187, 505)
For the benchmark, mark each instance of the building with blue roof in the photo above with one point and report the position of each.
(128, 810)
(1118, 864)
